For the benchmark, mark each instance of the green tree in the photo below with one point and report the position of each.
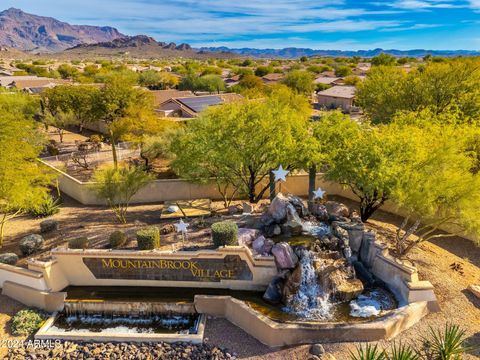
(372, 162)
(263, 70)
(83, 102)
(120, 99)
(383, 59)
(342, 71)
(150, 79)
(441, 87)
(211, 83)
(23, 182)
(55, 111)
(67, 71)
(300, 81)
(440, 192)
(117, 186)
(239, 144)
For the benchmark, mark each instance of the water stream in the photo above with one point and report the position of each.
(310, 301)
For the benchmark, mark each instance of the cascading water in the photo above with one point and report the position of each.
(310, 301)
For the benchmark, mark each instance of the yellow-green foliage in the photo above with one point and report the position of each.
(238, 144)
(448, 86)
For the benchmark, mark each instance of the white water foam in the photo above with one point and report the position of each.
(310, 302)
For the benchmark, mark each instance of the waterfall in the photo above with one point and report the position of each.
(310, 301)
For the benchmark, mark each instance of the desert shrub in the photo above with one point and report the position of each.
(52, 150)
(448, 344)
(224, 233)
(148, 238)
(368, 353)
(25, 322)
(117, 239)
(78, 243)
(402, 352)
(47, 208)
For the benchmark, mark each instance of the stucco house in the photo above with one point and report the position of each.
(337, 97)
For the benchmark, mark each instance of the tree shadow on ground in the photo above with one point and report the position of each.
(472, 298)
(474, 341)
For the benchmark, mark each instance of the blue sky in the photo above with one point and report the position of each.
(318, 24)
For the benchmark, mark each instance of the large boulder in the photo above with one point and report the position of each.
(348, 290)
(291, 228)
(285, 258)
(30, 244)
(278, 208)
(337, 277)
(273, 293)
(9, 258)
(292, 285)
(298, 205)
(319, 211)
(337, 210)
(263, 246)
(246, 236)
(272, 230)
(49, 225)
(294, 225)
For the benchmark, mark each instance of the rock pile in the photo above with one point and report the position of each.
(329, 257)
(121, 351)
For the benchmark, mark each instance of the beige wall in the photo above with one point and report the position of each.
(334, 102)
(70, 264)
(179, 189)
(48, 301)
(275, 334)
(18, 275)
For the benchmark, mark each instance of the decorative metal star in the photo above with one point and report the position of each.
(318, 194)
(181, 227)
(280, 174)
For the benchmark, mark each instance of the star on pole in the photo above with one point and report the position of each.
(280, 174)
(318, 194)
(181, 227)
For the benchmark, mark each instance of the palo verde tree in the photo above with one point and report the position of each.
(330, 135)
(300, 81)
(118, 185)
(441, 192)
(23, 182)
(120, 99)
(239, 144)
(372, 161)
(440, 87)
(67, 104)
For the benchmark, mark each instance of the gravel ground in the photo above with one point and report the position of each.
(433, 260)
(8, 308)
(121, 351)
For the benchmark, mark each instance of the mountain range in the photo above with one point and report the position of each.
(29, 32)
(40, 34)
(292, 52)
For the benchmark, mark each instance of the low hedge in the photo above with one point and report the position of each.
(117, 239)
(148, 238)
(224, 233)
(78, 243)
(27, 321)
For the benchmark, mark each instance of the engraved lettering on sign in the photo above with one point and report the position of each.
(231, 267)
